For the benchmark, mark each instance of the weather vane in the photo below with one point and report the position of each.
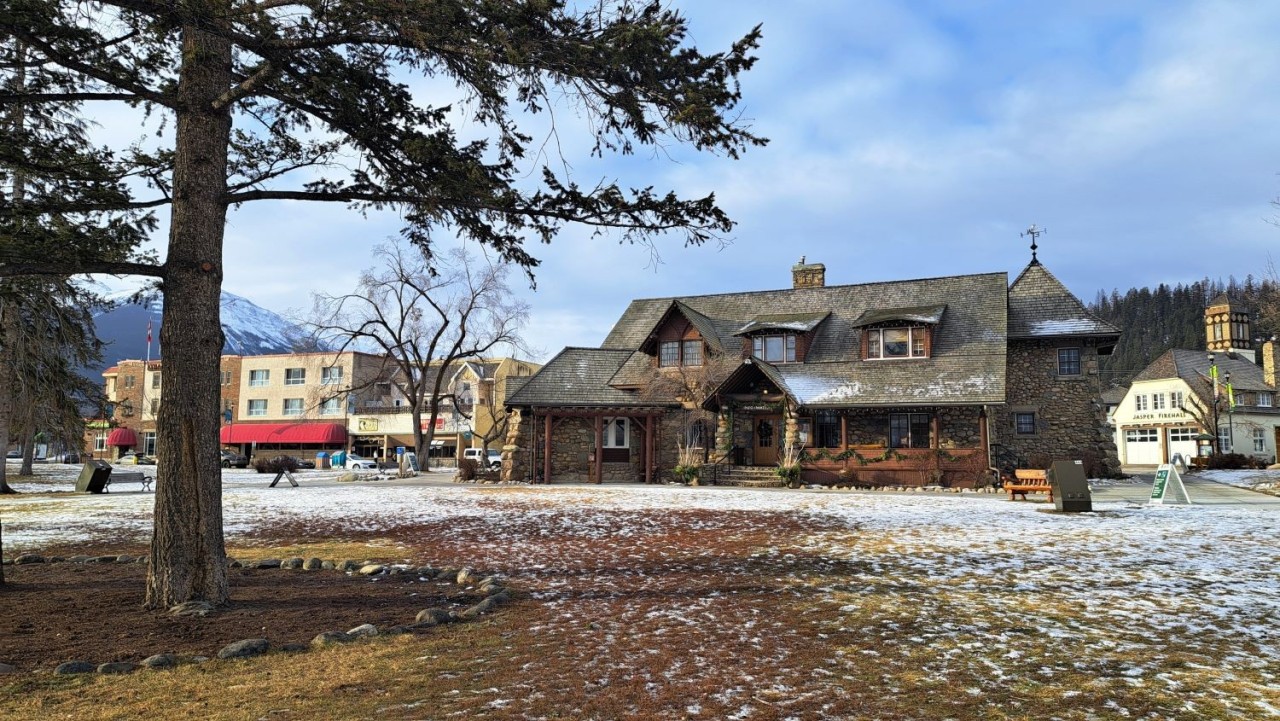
(1034, 232)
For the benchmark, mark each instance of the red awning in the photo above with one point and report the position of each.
(123, 437)
(326, 433)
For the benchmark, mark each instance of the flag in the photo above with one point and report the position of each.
(148, 331)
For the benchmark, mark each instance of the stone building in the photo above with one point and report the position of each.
(914, 382)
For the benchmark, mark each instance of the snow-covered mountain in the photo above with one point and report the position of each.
(249, 329)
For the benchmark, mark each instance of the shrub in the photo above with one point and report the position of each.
(467, 468)
(275, 465)
(1228, 461)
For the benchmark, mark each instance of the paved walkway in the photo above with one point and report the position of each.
(1202, 492)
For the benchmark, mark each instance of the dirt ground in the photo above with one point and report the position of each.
(56, 612)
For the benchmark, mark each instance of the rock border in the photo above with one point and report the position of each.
(493, 589)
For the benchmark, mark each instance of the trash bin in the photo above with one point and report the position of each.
(1070, 487)
(93, 477)
(322, 460)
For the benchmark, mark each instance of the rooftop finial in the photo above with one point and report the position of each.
(1034, 232)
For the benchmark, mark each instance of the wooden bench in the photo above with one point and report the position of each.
(1028, 480)
(127, 477)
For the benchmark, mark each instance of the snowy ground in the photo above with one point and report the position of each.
(725, 603)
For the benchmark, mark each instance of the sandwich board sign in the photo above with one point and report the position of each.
(1168, 488)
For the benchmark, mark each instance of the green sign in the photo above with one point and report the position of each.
(1157, 489)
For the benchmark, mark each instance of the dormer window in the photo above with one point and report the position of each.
(675, 353)
(897, 343)
(775, 348)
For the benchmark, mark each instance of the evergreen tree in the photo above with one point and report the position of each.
(262, 92)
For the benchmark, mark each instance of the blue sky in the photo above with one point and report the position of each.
(908, 139)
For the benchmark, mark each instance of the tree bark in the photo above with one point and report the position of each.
(188, 554)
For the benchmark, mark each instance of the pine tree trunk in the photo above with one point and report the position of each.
(188, 555)
(8, 333)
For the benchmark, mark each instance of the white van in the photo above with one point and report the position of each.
(477, 454)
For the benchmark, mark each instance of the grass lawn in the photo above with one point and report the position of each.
(678, 603)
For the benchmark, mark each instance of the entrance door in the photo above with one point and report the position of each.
(767, 434)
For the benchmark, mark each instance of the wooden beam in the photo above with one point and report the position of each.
(599, 454)
(546, 450)
(650, 423)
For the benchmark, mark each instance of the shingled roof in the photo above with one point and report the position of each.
(1040, 306)
(577, 377)
(976, 316)
(1192, 366)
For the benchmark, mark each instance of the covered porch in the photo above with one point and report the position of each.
(588, 444)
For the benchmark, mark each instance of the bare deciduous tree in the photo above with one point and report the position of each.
(426, 317)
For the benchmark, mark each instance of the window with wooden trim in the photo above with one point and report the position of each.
(617, 433)
(909, 430)
(775, 348)
(1024, 423)
(691, 353)
(673, 353)
(826, 426)
(1068, 361)
(883, 343)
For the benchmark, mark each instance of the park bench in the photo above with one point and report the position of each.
(127, 477)
(1028, 480)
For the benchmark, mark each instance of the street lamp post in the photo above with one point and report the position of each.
(1217, 437)
(1231, 414)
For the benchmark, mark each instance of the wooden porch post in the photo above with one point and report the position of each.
(546, 449)
(935, 439)
(599, 454)
(649, 424)
(982, 434)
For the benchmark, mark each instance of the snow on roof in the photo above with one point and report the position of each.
(1070, 326)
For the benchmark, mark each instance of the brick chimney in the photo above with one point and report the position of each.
(808, 275)
(1269, 362)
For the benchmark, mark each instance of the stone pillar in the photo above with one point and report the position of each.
(724, 431)
(512, 465)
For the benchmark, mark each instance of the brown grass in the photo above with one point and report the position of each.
(694, 614)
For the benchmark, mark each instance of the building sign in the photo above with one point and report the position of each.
(761, 407)
(447, 425)
(367, 425)
(1166, 416)
(1168, 488)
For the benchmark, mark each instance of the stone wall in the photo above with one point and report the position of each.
(959, 427)
(1070, 420)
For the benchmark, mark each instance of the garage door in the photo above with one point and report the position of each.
(1182, 440)
(1142, 446)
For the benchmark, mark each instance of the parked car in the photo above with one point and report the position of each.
(13, 454)
(354, 461)
(135, 459)
(68, 457)
(231, 458)
(494, 458)
(304, 462)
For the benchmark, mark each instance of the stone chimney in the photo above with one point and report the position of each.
(808, 275)
(1269, 362)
